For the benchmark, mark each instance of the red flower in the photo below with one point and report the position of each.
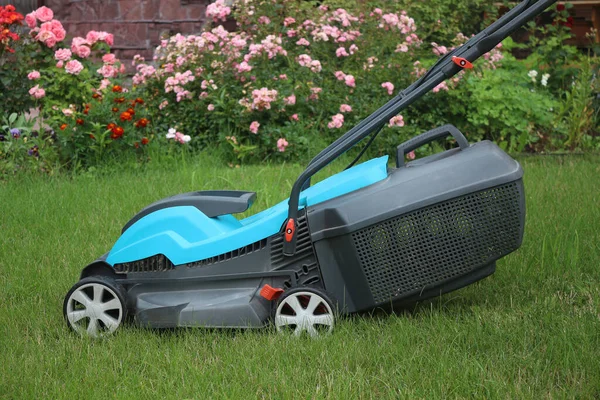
(145, 140)
(115, 109)
(131, 111)
(119, 99)
(117, 89)
(63, 127)
(125, 116)
(92, 137)
(117, 132)
(111, 126)
(142, 123)
(79, 121)
(136, 145)
(139, 100)
(560, 7)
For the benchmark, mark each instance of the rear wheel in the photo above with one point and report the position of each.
(95, 306)
(304, 310)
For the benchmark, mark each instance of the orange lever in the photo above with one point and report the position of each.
(290, 228)
(270, 293)
(462, 62)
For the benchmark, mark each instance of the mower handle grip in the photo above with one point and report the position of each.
(428, 137)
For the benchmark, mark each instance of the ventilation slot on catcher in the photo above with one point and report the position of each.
(437, 243)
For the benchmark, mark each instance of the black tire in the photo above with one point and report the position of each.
(99, 303)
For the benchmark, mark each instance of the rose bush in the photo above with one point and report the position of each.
(290, 74)
(76, 88)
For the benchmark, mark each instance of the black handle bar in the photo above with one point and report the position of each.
(427, 137)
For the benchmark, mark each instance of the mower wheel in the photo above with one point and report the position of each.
(305, 309)
(95, 306)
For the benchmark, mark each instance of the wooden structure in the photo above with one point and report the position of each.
(136, 24)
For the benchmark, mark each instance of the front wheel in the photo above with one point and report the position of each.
(95, 306)
(304, 310)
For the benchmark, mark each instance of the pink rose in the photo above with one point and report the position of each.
(350, 81)
(83, 51)
(294, 117)
(104, 83)
(60, 64)
(106, 37)
(439, 50)
(58, 30)
(211, 107)
(290, 101)
(282, 144)
(336, 121)
(254, 127)
(33, 75)
(341, 52)
(389, 86)
(51, 42)
(31, 20)
(411, 155)
(92, 37)
(44, 14)
(107, 71)
(37, 92)
(62, 54)
(77, 43)
(47, 37)
(345, 108)
(74, 67)
(340, 75)
(441, 86)
(398, 120)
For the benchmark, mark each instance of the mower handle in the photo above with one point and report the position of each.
(428, 137)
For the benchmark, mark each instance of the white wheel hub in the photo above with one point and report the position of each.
(94, 309)
(304, 311)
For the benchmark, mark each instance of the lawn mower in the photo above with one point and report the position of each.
(370, 236)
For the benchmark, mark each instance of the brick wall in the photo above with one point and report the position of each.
(136, 24)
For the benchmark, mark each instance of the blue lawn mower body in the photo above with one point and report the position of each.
(370, 236)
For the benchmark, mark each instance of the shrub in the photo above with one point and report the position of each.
(290, 75)
(76, 88)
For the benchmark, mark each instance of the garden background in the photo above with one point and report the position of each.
(244, 104)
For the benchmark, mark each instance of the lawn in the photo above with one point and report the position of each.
(532, 330)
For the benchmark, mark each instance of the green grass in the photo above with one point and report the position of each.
(532, 330)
